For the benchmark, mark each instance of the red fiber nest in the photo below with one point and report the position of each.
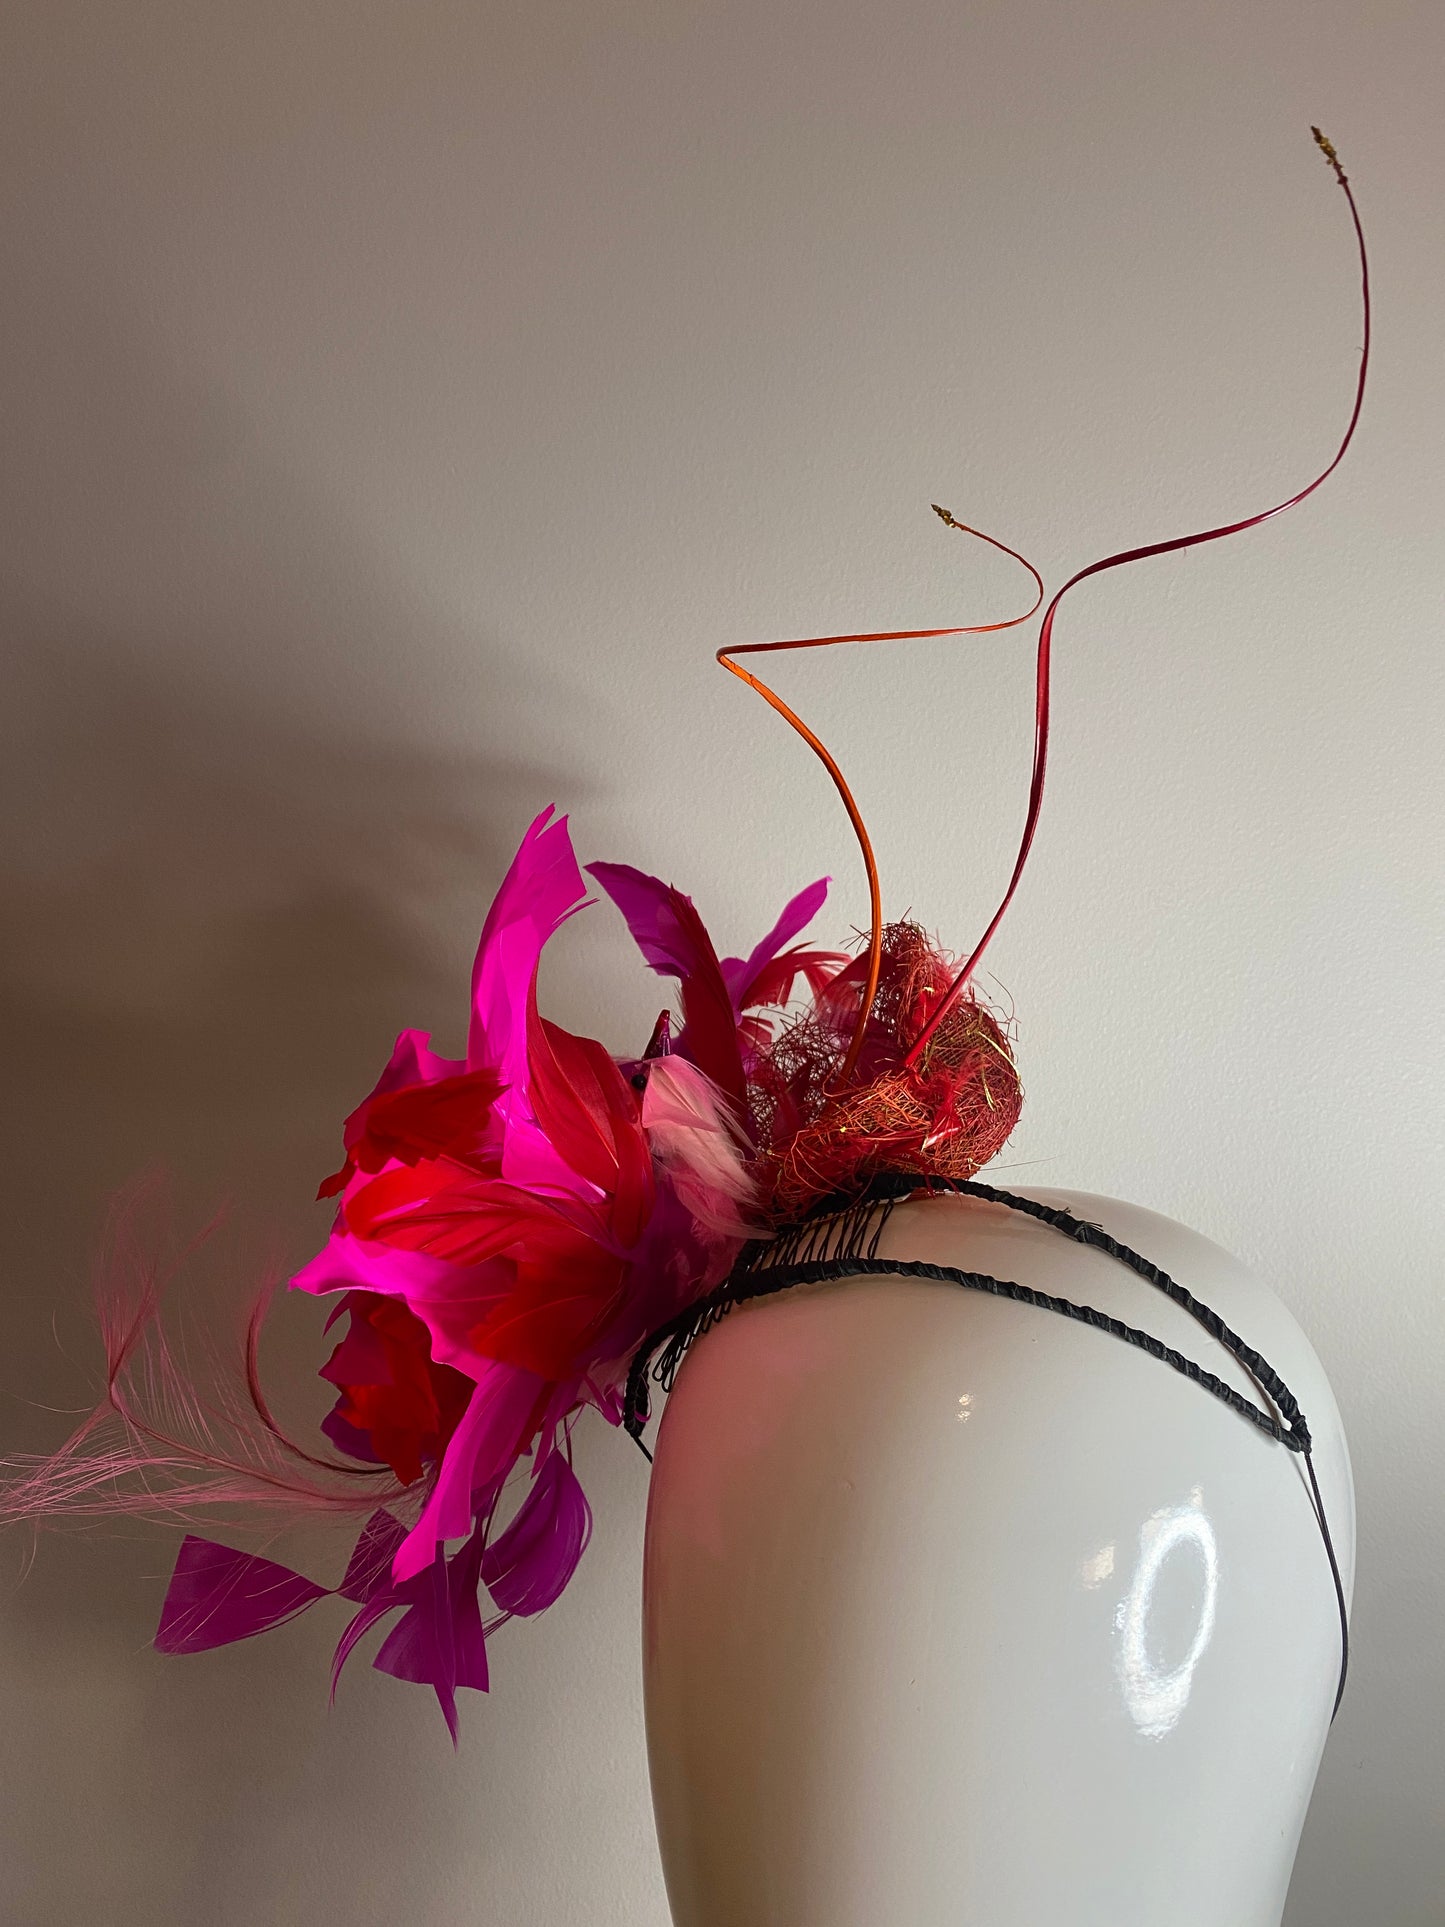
(944, 1116)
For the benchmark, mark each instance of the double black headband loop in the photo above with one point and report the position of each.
(840, 1238)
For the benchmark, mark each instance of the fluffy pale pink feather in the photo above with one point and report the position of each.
(172, 1436)
(697, 1138)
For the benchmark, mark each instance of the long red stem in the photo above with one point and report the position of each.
(1046, 631)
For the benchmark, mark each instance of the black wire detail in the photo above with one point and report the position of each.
(840, 1238)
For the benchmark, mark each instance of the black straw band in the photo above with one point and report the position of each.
(840, 1238)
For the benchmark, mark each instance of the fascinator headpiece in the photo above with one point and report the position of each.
(535, 1230)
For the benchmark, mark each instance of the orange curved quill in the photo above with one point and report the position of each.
(825, 756)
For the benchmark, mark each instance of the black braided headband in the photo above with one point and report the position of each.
(840, 1238)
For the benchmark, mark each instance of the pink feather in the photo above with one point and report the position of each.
(697, 1139)
(171, 1443)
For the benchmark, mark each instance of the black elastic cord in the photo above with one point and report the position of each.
(839, 1239)
(1324, 1526)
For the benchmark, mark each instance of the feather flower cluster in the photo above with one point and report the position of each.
(511, 1225)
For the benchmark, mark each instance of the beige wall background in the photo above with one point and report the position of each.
(400, 403)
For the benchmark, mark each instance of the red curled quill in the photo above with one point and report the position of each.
(1046, 632)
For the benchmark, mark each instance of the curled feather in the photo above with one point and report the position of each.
(166, 1440)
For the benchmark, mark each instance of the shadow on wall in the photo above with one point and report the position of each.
(226, 881)
(213, 925)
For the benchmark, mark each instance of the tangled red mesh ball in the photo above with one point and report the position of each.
(945, 1116)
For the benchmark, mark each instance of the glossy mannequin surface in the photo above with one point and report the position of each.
(957, 1611)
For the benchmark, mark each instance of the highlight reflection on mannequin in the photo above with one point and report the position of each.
(1095, 1571)
(1156, 1696)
